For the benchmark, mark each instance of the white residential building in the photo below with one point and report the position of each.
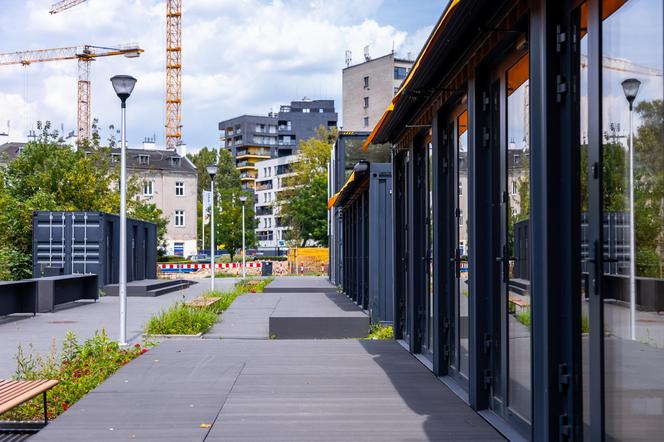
(269, 182)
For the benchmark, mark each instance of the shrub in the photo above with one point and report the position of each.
(79, 368)
(378, 331)
(180, 319)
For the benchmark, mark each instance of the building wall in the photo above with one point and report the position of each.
(382, 85)
(165, 198)
(269, 174)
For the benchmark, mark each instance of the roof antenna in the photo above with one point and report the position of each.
(349, 57)
(392, 47)
(367, 56)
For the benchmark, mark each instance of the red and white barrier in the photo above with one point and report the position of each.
(228, 265)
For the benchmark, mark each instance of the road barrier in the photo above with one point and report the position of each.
(228, 265)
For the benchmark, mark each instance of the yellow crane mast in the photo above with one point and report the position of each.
(85, 55)
(173, 73)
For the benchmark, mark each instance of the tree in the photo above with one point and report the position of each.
(229, 222)
(303, 204)
(50, 175)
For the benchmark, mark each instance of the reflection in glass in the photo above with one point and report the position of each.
(634, 331)
(463, 285)
(517, 247)
(376, 153)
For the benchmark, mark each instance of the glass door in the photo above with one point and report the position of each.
(401, 246)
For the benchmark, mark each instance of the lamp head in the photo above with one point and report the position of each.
(243, 199)
(631, 89)
(123, 85)
(212, 170)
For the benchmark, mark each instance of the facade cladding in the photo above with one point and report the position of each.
(528, 225)
(252, 138)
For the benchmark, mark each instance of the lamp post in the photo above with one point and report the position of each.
(631, 89)
(243, 199)
(123, 86)
(212, 171)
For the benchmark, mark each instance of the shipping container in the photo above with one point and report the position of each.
(88, 242)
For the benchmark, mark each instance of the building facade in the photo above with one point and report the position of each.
(169, 181)
(368, 88)
(540, 123)
(269, 182)
(252, 138)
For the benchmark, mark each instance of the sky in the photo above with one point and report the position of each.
(239, 57)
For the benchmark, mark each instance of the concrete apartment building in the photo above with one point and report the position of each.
(253, 138)
(170, 181)
(269, 182)
(368, 89)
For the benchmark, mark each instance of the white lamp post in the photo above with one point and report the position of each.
(123, 86)
(631, 89)
(243, 199)
(212, 171)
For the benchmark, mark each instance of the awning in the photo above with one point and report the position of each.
(444, 19)
(333, 199)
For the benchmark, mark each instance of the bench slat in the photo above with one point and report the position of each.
(14, 393)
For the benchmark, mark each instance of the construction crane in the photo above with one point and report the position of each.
(173, 73)
(64, 5)
(85, 55)
(173, 66)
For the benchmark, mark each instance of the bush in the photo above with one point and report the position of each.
(79, 368)
(180, 319)
(378, 331)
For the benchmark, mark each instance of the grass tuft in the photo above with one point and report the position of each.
(180, 319)
(379, 331)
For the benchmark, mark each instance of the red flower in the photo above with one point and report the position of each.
(137, 345)
(64, 406)
(143, 351)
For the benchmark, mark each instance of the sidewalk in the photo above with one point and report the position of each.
(45, 329)
(271, 390)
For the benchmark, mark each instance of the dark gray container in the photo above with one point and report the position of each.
(266, 268)
(87, 242)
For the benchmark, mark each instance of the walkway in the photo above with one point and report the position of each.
(271, 390)
(83, 319)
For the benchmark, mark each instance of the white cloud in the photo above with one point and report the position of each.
(239, 56)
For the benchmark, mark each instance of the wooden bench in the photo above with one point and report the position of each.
(519, 302)
(14, 393)
(202, 301)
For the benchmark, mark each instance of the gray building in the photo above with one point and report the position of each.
(300, 120)
(253, 138)
(368, 88)
(8, 152)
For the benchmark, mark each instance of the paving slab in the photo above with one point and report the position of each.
(271, 390)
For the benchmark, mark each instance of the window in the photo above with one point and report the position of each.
(148, 188)
(144, 159)
(306, 110)
(514, 187)
(321, 110)
(517, 157)
(366, 121)
(461, 217)
(175, 161)
(460, 188)
(115, 157)
(179, 188)
(366, 82)
(179, 218)
(366, 102)
(400, 73)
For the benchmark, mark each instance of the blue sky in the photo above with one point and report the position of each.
(239, 56)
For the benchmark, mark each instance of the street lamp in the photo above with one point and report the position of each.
(243, 199)
(123, 86)
(212, 171)
(631, 89)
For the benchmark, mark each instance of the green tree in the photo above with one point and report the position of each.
(228, 220)
(50, 175)
(303, 205)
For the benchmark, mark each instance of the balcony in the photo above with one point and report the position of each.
(252, 153)
(264, 185)
(264, 210)
(244, 165)
(247, 176)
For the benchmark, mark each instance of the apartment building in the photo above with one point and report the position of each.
(368, 88)
(170, 181)
(269, 182)
(253, 138)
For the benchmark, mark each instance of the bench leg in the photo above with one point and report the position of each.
(45, 410)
